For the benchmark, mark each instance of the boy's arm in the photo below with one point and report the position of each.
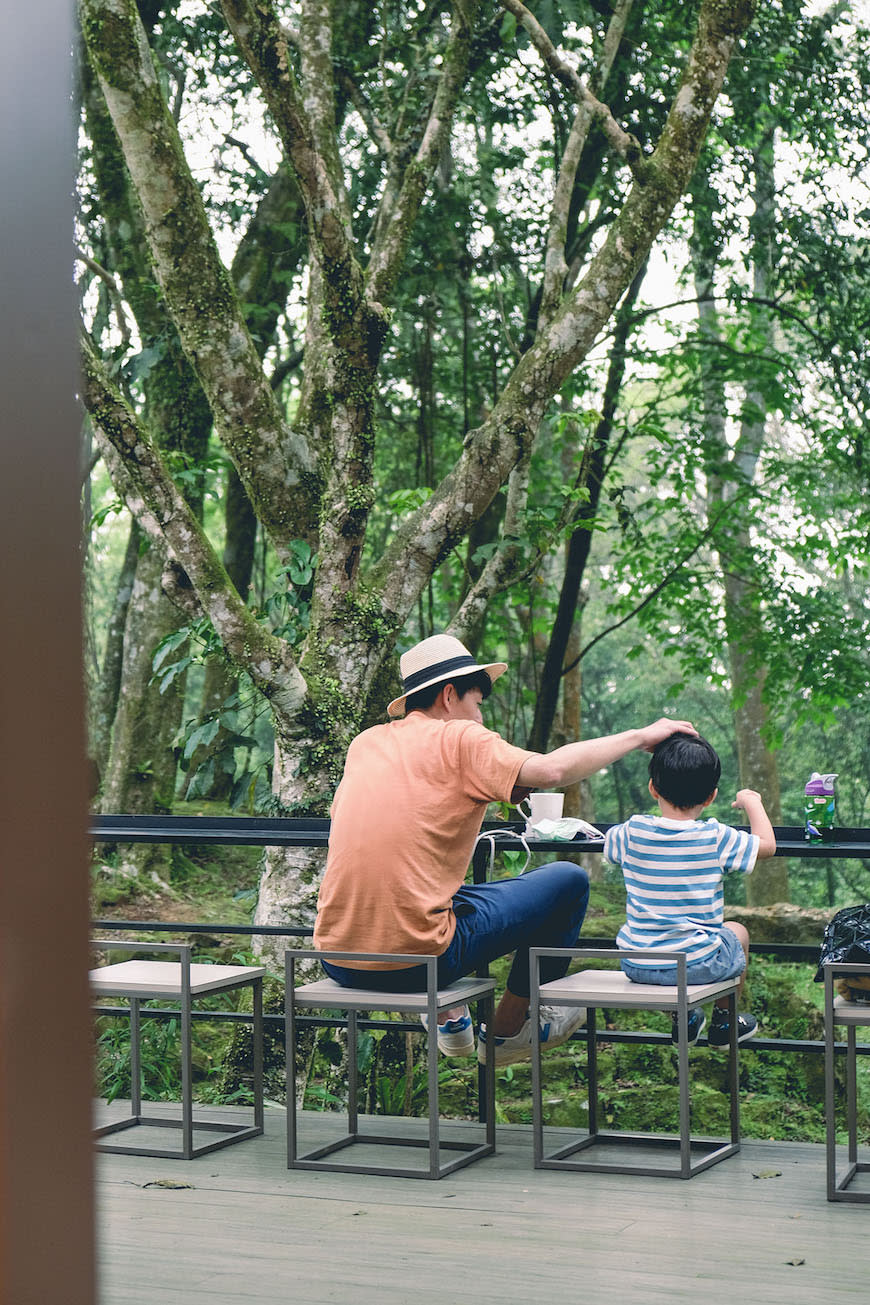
(759, 821)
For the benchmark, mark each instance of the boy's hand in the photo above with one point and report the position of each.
(662, 729)
(759, 821)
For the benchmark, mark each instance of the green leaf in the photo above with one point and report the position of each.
(172, 641)
(508, 29)
(201, 736)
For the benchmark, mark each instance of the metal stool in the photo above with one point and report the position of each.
(851, 1013)
(613, 989)
(325, 994)
(180, 981)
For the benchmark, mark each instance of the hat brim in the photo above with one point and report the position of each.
(493, 670)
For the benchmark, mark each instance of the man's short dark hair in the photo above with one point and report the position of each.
(685, 770)
(424, 698)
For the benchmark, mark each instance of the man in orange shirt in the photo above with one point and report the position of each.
(404, 822)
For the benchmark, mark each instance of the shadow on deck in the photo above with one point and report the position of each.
(755, 1228)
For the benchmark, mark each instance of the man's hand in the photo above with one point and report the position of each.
(662, 729)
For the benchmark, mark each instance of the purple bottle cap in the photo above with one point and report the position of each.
(819, 785)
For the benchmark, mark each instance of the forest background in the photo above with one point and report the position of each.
(542, 324)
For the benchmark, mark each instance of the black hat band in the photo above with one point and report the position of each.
(437, 672)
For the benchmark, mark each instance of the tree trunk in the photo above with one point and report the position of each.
(140, 774)
(176, 409)
(757, 763)
(105, 696)
(221, 682)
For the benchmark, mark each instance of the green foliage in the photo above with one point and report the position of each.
(160, 1076)
(230, 739)
(655, 621)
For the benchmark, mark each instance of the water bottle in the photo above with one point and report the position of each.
(819, 808)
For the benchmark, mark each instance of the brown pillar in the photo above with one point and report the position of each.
(46, 1203)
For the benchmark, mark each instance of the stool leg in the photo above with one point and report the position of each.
(135, 1059)
(186, 1079)
(685, 1112)
(489, 1008)
(257, 1034)
(352, 1071)
(290, 1057)
(537, 1086)
(830, 1128)
(733, 1070)
(852, 1093)
(592, 1069)
(432, 1053)
(483, 1013)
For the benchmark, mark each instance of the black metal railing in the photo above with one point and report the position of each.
(280, 831)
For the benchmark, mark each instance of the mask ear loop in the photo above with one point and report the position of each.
(490, 837)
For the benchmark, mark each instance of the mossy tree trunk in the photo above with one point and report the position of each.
(262, 264)
(139, 763)
(104, 695)
(313, 479)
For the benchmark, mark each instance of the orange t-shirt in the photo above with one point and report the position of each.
(404, 819)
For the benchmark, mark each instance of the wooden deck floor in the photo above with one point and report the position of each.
(248, 1231)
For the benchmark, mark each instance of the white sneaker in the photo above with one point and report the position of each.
(455, 1037)
(558, 1023)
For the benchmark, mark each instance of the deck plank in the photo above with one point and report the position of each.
(249, 1232)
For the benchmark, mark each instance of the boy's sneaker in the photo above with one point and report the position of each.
(557, 1025)
(455, 1037)
(697, 1022)
(720, 1028)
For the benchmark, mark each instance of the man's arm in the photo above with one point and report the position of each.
(759, 821)
(575, 761)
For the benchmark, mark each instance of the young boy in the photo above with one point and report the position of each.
(673, 866)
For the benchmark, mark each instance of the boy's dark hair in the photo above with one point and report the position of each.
(684, 770)
(424, 698)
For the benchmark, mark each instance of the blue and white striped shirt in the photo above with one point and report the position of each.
(673, 879)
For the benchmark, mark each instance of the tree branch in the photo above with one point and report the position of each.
(399, 207)
(271, 459)
(115, 292)
(505, 567)
(625, 145)
(555, 258)
(309, 148)
(376, 130)
(490, 452)
(141, 478)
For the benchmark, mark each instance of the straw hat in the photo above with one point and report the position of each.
(439, 658)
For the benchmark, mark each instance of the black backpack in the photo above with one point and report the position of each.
(847, 938)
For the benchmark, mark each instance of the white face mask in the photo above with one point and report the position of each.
(567, 830)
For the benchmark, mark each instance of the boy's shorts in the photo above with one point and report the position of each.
(725, 963)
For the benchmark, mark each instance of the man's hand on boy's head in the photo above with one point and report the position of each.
(662, 729)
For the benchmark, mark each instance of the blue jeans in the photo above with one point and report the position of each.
(726, 963)
(542, 908)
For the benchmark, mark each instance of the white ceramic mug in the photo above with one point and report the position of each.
(542, 806)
